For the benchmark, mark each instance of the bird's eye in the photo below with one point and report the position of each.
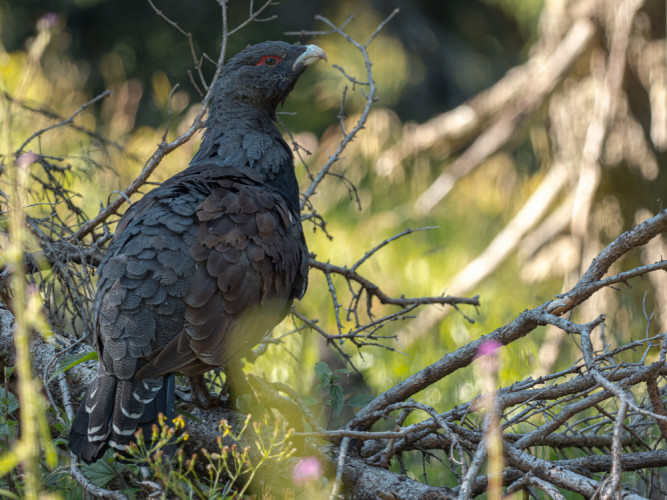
(269, 61)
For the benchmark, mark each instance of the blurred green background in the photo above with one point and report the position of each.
(433, 56)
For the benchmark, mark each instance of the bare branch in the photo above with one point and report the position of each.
(67, 121)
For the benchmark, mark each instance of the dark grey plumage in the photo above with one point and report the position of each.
(202, 266)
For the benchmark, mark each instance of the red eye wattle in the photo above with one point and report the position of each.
(269, 61)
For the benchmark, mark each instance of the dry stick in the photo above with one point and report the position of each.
(603, 463)
(336, 304)
(386, 455)
(530, 480)
(544, 469)
(589, 287)
(196, 60)
(657, 404)
(598, 464)
(560, 474)
(605, 107)
(606, 103)
(616, 449)
(337, 436)
(552, 225)
(593, 364)
(313, 325)
(465, 490)
(630, 378)
(163, 149)
(373, 289)
(557, 440)
(526, 391)
(504, 127)
(648, 62)
(342, 453)
(591, 281)
(437, 421)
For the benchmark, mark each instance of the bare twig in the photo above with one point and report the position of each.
(370, 100)
(62, 123)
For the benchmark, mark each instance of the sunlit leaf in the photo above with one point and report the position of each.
(308, 400)
(360, 400)
(323, 372)
(100, 473)
(72, 361)
(8, 494)
(337, 401)
(9, 401)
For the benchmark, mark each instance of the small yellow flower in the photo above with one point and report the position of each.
(179, 423)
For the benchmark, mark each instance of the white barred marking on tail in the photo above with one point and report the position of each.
(114, 444)
(144, 401)
(152, 389)
(120, 432)
(130, 415)
(93, 430)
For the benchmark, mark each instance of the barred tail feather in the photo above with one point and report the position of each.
(113, 410)
(90, 427)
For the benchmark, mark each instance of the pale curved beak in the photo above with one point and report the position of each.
(312, 54)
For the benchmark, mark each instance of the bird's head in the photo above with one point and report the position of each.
(264, 74)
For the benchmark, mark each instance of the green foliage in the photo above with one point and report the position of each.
(12, 485)
(330, 381)
(229, 470)
(9, 403)
(69, 362)
(101, 474)
(9, 424)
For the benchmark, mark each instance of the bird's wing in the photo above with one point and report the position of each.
(248, 267)
(144, 278)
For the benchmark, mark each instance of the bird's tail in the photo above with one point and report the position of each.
(113, 410)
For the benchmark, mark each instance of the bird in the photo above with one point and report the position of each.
(204, 265)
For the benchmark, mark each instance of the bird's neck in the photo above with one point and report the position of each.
(243, 136)
(239, 134)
